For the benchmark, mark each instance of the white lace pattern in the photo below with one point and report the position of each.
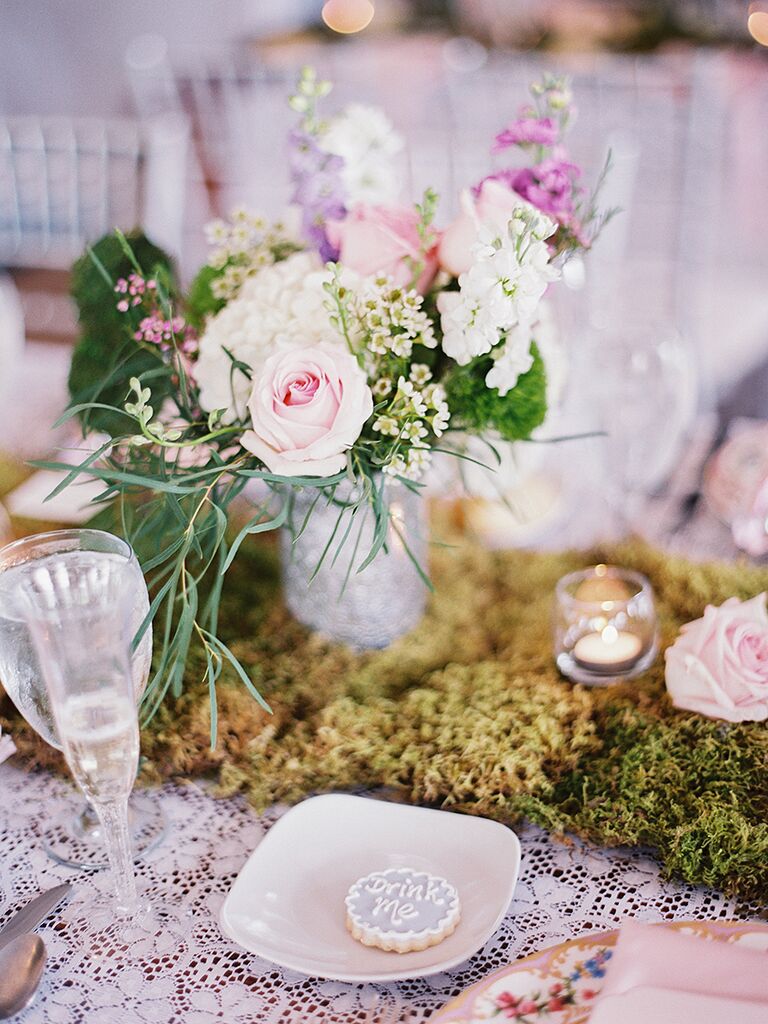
(196, 976)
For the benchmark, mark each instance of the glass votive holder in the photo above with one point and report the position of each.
(605, 627)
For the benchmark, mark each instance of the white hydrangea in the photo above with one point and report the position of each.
(282, 306)
(503, 287)
(367, 142)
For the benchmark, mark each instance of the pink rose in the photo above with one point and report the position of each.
(750, 528)
(492, 208)
(718, 666)
(382, 240)
(307, 409)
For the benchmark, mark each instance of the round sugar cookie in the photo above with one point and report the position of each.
(402, 909)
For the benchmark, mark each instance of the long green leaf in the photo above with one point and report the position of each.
(255, 525)
(225, 651)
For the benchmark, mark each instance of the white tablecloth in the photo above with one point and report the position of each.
(196, 976)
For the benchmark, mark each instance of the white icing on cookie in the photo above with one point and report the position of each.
(402, 909)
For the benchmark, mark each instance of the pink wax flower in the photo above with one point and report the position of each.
(382, 240)
(307, 407)
(527, 131)
(718, 666)
(134, 288)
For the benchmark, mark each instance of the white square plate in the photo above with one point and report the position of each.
(287, 903)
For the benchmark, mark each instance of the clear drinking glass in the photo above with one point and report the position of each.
(80, 611)
(644, 390)
(75, 840)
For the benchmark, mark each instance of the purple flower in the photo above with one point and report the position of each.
(551, 187)
(313, 224)
(322, 188)
(304, 154)
(318, 189)
(527, 131)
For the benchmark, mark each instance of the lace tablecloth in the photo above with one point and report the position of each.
(196, 976)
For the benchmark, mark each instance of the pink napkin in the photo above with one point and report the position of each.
(663, 972)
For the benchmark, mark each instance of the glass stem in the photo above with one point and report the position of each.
(114, 823)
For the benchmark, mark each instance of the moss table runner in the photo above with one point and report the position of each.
(469, 713)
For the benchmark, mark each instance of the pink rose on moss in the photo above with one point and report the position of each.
(491, 208)
(750, 529)
(307, 407)
(383, 240)
(718, 666)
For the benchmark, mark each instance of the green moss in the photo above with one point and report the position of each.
(469, 712)
(514, 415)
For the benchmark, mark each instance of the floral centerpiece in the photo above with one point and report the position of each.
(330, 362)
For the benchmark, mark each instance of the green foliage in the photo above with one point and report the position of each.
(480, 409)
(201, 302)
(106, 357)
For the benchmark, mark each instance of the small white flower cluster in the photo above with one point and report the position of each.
(500, 291)
(241, 246)
(417, 407)
(392, 319)
(366, 141)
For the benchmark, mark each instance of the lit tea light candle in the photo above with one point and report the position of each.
(610, 650)
(604, 625)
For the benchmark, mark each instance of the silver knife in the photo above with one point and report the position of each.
(32, 913)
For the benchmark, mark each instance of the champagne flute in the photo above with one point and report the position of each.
(76, 840)
(80, 614)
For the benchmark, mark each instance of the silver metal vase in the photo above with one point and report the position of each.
(367, 609)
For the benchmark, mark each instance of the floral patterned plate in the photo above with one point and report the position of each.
(560, 984)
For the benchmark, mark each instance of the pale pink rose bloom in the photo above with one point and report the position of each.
(382, 240)
(307, 407)
(718, 666)
(750, 529)
(492, 209)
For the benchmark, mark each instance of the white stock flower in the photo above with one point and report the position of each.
(511, 360)
(282, 306)
(503, 287)
(365, 139)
